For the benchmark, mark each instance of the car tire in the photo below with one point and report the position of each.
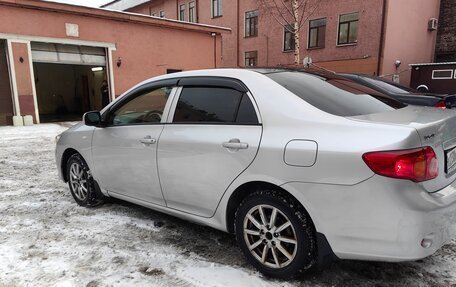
(82, 186)
(276, 234)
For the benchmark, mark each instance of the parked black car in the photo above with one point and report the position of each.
(403, 94)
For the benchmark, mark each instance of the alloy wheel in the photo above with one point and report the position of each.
(270, 236)
(79, 181)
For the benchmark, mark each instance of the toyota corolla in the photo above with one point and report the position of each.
(302, 169)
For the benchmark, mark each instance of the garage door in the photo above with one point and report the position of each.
(68, 54)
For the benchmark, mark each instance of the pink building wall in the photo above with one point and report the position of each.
(269, 42)
(23, 78)
(147, 46)
(407, 37)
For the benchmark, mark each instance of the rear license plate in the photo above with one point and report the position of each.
(450, 160)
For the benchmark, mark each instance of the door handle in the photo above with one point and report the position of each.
(235, 144)
(148, 140)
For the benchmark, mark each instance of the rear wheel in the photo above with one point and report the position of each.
(82, 186)
(275, 234)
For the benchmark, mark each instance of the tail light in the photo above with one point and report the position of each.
(440, 104)
(418, 164)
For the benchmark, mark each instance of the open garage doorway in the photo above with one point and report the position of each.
(68, 80)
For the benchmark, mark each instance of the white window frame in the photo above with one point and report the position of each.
(220, 4)
(190, 14)
(326, 26)
(338, 26)
(257, 24)
(443, 78)
(283, 42)
(182, 10)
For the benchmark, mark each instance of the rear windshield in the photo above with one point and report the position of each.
(333, 96)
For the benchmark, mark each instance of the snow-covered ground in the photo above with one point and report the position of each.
(48, 240)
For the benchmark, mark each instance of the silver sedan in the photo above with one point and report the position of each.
(303, 168)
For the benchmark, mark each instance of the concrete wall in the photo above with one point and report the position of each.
(407, 37)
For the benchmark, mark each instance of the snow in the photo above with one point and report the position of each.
(88, 3)
(124, 5)
(46, 239)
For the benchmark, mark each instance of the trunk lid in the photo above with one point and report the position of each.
(436, 128)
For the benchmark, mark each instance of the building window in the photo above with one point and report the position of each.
(251, 23)
(348, 29)
(162, 14)
(216, 8)
(182, 12)
(442, 74)
(288, 38)
(251, 58)
(191, 12)
(317, 31)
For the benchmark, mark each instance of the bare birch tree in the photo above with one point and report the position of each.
(292, 15)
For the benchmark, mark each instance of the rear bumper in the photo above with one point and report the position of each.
(380, 219)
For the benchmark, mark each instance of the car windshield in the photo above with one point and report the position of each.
(389, 87)
(333, 96)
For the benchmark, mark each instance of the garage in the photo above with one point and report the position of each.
(59, 55)
(68, 80)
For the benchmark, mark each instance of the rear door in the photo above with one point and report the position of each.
(212, 136)
(124, 152)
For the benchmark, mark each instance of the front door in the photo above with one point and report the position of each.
(213, 137)
(124, 152)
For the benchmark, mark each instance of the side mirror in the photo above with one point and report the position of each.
(93, 119)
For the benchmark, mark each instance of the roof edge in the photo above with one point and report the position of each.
(432, 64)
(123, 5)
(113, 15)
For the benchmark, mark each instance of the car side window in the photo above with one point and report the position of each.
(145, 108)
(246, 113)
(213, 105)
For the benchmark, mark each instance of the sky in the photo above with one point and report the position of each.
(90, 3)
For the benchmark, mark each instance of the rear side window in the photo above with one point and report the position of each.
(331, 98)
(387, 86)
(214, 105)
(246, 113)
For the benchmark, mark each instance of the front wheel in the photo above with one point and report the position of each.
(82, 186)
(275, 234)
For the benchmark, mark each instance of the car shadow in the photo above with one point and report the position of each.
(219, 247)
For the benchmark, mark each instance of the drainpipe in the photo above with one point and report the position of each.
(214, 35)
(382, 38)
(237, 35)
